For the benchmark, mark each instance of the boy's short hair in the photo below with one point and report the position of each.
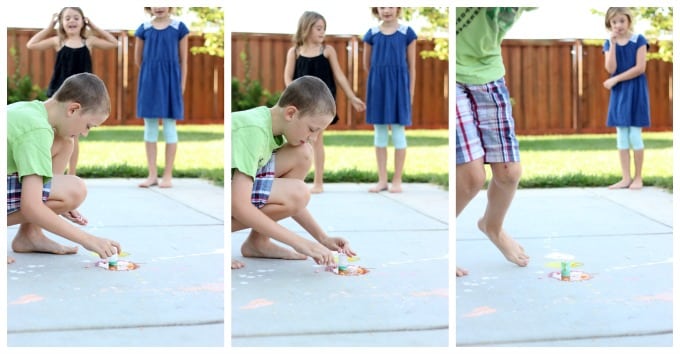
(88, 90)
(309, 95)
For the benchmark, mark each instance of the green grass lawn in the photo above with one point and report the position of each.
(548, 161)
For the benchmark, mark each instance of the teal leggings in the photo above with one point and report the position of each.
(169, 130)
(398, 135)
(627, 137)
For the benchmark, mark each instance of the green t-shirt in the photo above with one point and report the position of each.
(479, 33)
(29, 140)
(252, 140)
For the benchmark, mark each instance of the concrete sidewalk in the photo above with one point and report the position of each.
(403, 300)
(623, 240)
(175, 298)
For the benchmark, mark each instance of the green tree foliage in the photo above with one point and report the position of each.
(437, 29)
(210, 23)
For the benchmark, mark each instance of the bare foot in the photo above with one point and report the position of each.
(268, 249)
(460, 272)
(165, 183)
(396, 188)
(512, 250)
(237, 264)
(620, 184)
(36, 241)
(316, 189)
(378, 188)
(637, 184)
(10, 260)
(149, 182)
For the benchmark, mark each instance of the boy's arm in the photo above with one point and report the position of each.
(306, 220)
(36, 212)
(247, 214)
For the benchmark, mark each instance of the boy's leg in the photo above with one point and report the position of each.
(289, 195)
(502, 187)
(73, 161)
(319, 162)
(66, 194)
(62, 150)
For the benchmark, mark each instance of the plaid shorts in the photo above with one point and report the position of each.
(484, 124)
(262, 186)
(14, 192)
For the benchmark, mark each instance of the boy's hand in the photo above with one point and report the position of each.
(339, 244)
(321, 255)
(75, 217)
(103, 247)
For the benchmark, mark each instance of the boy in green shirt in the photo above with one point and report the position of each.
(270, 157)
(485, 128)
(39, 144)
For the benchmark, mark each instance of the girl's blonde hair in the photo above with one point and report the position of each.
(60, 29)
(305, 24)
(613, 11)
(374, 11)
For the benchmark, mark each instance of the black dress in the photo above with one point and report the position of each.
(69, 61)
(318, 66)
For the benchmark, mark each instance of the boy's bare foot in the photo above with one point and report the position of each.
(316, 188)
(461, 272)
(237, 264)
(512, 250)
(27, 242)
(165, 183)
(637, 184)
(378, 188)
(620, 184)
(268, 249)
(10, 260)
(148, 182)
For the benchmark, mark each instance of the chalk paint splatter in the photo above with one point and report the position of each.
(257, 303)
(122, 265)
(480, 311)
(575, 275)
(27, 299)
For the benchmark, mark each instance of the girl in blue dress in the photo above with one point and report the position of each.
(390, 58)
(161, 50)
(625, 59)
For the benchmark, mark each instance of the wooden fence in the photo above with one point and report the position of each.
(203, 97)
(266, 58)
(556, 87)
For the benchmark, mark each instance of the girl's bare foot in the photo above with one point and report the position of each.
(148, 182)
(461, 272)
(396, 187)
(620, 184)
(316, 188)
(637, 184)
(165, 183)
(36, 241)
(378, 188)
(512, 250)
(237, 264)
(268, 249)
(10, 260)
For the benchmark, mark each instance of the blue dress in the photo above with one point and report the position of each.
(159, 88)
(628, 100)
(388, 99)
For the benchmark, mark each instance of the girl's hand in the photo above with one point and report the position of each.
(358, 104)
(54, 20)
(610, 82)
